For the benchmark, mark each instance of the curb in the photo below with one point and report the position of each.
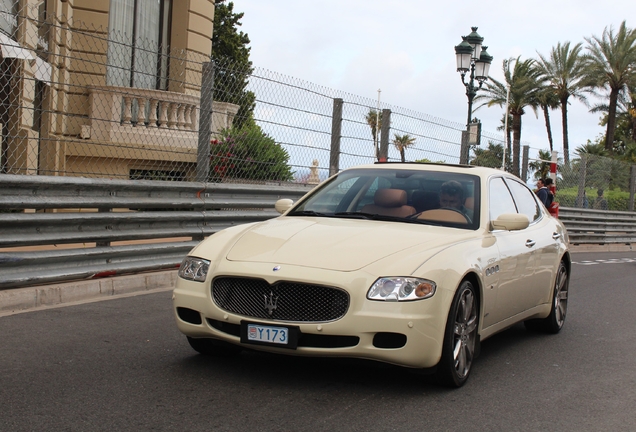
(46, 296)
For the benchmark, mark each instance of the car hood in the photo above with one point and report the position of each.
(336, 244)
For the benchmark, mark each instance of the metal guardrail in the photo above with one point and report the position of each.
(56, 229)
(599, 226)
(90, 216)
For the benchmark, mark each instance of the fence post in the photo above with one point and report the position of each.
(524, 164)
(580, 199)
(336, 133)
(386, 132)
(464, 150)
(205, 122)
(632, 187)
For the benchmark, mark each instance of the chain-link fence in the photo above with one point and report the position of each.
(589, 181)
(597, 182)
(79, 100)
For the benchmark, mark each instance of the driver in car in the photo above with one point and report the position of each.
(451, 195)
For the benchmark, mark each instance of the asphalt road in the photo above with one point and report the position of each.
(122, 365)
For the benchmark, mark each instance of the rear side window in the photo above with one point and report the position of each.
(500, 200)
(524, 198)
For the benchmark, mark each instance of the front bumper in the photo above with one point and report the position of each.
(408, 334)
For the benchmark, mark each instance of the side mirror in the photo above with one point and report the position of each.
(282, 205)
(510, 222)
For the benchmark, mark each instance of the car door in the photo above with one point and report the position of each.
(543, 232)
(516, 256)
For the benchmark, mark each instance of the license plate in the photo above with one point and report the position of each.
(261, 334)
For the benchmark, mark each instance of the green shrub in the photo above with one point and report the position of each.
(250, 154)
(616, 199)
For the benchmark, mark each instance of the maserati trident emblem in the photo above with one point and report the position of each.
(270, 302)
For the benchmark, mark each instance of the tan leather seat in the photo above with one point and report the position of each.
(389, 202)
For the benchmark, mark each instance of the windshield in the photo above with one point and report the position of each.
(400, 195)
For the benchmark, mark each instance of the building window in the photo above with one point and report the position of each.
(138, 45)
(8, 16)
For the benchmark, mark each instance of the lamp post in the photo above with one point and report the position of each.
(471, 57)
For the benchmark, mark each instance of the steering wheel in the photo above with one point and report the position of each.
(441, 219)
(468, 221)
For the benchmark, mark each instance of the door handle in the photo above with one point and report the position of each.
(530, 243)
(556, 236)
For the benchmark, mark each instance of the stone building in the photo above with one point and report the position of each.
(104, 87)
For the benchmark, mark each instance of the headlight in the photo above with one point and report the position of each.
(195, 269)
(401, 289)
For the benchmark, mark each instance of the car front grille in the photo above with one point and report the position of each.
(282, 301)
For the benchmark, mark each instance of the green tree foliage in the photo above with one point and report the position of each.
(624, 147)
(247, 153)
(540, 167)
(490, 157)
(525, 83)
(601, 172)
(231, 54)
(564, 72)
(612, 67)
(616, 199)
(402, 142)
(425, 160)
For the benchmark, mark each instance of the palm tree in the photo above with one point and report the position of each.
(401, 142)
(502, 126)
(374, 120)
(540, 167)
(612, 66)
(548, 100)
(625, 115)
(491, 156)
(524, 83)
(564, 72)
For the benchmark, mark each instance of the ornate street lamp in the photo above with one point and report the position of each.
(472, 57)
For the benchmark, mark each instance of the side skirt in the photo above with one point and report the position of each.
(540, 311)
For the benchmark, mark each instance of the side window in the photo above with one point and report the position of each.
(524, 198)
(329, 201)
(500, 201)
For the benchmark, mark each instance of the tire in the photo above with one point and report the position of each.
(460, 338)
(554, 322)
(214, 347)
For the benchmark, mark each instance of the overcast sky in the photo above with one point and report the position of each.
(406, 49)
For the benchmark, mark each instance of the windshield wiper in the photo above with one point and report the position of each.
(307, 213)
(375, 216)
(356, 215)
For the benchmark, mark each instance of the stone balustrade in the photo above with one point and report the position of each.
(156, 108)
(145, 119)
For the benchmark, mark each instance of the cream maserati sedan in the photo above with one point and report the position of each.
(406, 263)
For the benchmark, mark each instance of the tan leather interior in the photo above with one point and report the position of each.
(389, 202)
(443, 215)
